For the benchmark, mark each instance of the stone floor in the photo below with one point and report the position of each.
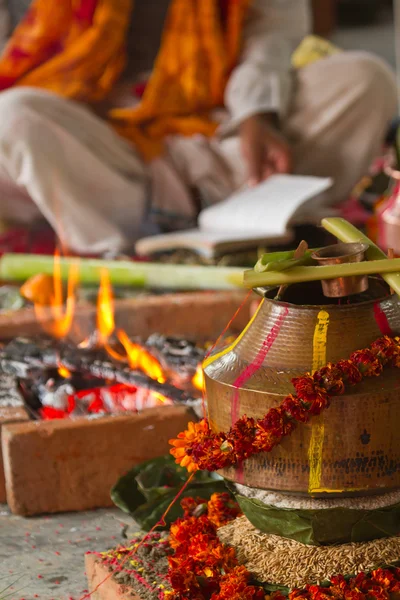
(43, 558)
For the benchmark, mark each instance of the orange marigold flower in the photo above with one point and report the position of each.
(297, 594)
(234, 586)
(183, 444)
(184, 529)
(222, 508)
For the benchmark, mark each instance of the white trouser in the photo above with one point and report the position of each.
(59, 160)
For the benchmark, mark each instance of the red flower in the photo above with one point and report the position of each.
(314, 397)
(297, 594)
(271, 429)
(354, 595)
(349, 371)
(241, 438)
(305, 387)
(193, 505)
(367, 363)
(213, 453)
(295, 410)
(385, 348)
(319, 593)
(330, 378)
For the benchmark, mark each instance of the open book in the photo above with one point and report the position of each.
(250, 218)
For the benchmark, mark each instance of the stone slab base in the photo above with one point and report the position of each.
(109, 589)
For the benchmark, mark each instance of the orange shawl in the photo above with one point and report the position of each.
(76, 48)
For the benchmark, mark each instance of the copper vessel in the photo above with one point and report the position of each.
(339, 254)
(358, 447)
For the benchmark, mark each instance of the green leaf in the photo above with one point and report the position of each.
(322, 527)
(148, 489)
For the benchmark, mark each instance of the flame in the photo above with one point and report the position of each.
(105, 308)
(60, 323)
(198, 378)
(161, 398)
(63, 371)
(140, 358)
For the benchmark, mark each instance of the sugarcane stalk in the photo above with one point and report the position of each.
(19, 267)
(346, 232)
(302, 274)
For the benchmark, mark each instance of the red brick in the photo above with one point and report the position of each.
(71, 465)
(9, 414)
(169, 314)
(98, 575)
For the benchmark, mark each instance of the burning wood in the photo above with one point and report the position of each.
(108, 372)
(64, 380)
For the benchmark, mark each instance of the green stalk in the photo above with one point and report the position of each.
(346, 232)
(301, 274)
(19, 267)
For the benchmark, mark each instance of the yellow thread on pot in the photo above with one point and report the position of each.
(208, 361)
(318, 427)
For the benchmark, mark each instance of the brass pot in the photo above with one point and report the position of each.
(353, 448)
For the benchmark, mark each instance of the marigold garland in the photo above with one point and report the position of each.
(203, 568)
(200, 448)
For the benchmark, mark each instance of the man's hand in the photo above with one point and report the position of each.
(265, 150)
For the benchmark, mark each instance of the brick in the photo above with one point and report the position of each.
(98, 575)
(9, 414)
(71, 465)
(168, 314)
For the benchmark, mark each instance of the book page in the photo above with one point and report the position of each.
(264, 210)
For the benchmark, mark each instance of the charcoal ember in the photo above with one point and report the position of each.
(140, 380)
(41, 351)
(10, 395)
(55, 394)
(176, 354)
(19, 368)
(81, 359)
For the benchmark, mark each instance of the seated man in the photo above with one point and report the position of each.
(102, 150)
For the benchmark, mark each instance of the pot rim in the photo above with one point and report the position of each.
(327, 307)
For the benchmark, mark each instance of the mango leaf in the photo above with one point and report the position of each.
(148, 489)
(322, 527)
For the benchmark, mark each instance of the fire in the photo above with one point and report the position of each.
(63, 372)
(137, 356)
(61, 317)
(140, 358)
(105, 308)
(198, 378)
